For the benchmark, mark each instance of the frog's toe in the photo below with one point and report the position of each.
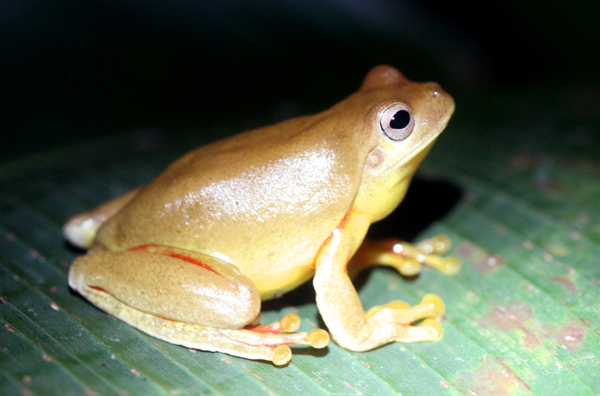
(273, 347)
(439, 244)
(433, 328)
(287, 324)
(281, 355)
(395, 308)
(429, 330)
(451, 266)
(433, 306)
(318, 338)
(431, 251)
(409, 266)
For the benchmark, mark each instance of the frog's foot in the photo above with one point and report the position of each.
(273, 343)
(393, 322)
(405, 257)
(267, 342)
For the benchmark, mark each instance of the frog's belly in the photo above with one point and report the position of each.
(277, 266)
(275, 282)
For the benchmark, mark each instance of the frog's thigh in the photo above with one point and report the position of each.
(169, 283)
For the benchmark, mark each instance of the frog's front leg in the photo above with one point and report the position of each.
(407, 258)
(81, 229)
(342, 310)
(187, 298)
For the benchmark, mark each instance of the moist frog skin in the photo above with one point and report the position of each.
(189, 257)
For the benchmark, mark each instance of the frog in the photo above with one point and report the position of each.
(189, 257)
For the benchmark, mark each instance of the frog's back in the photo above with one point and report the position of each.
(267, 197)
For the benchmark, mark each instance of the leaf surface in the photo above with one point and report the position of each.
(522, 317)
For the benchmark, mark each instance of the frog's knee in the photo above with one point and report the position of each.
(234, 309)
(76, 275)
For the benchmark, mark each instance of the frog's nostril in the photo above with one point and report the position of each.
(436, 89)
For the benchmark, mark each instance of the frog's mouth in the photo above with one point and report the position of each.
(424, 148)
(421, 150)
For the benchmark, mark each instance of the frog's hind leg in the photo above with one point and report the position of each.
(81, 229)
(246, 343)
(189, 299)
(405, 257)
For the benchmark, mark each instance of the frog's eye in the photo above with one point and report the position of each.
(397, 121)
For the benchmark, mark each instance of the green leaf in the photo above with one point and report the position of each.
(522, 317)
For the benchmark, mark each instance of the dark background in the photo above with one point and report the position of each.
(75, 71)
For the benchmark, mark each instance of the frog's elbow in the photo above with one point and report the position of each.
(81, 231)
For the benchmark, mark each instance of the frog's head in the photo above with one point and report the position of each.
(403, 118)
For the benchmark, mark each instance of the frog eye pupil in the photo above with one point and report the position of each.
(400, 120)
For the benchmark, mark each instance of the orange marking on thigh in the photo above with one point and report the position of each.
(170, 253)
(191, 260)
(142, 247)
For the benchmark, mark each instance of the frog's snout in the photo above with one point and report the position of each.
(441, 97)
